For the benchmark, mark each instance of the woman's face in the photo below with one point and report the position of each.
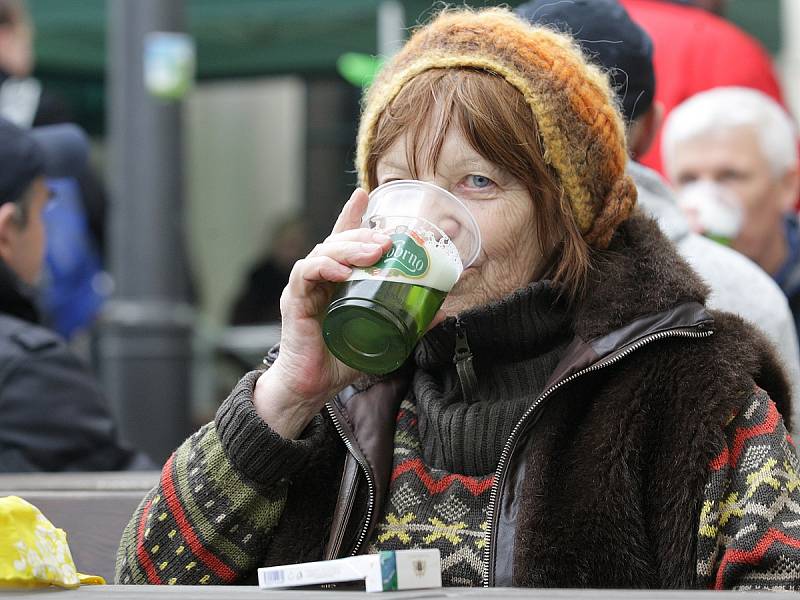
(500, 204)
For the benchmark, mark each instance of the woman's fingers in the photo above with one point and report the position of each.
(353, 210)
(309, 272)
(358, 235)
(323, 268)
(331, 261)
(359, 254)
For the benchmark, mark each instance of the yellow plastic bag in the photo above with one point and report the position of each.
(34, 553)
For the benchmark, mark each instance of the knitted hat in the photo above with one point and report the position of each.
(607, 34)
(579, 124)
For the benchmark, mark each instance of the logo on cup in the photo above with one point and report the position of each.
(407, 257)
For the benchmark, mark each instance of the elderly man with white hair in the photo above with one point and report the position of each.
(732, 154)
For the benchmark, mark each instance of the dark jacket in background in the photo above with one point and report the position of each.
(50, 108)
(53, 416)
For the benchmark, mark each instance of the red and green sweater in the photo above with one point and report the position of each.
(205, 523)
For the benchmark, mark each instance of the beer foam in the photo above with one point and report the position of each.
(444, 266)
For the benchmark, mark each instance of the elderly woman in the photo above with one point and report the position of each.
(603, 430)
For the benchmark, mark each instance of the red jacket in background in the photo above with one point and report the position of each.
(695, 51)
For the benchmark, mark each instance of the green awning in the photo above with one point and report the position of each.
(247, 38)
(234, 38)
(254, 37)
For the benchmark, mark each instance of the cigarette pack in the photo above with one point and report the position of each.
(388, 570)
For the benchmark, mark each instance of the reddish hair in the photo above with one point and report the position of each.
(499, 125)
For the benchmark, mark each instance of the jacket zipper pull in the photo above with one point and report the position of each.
(463, 361)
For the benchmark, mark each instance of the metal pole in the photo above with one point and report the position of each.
(391, 27)
(145, 339)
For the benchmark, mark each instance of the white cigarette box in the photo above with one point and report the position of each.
(388, 570)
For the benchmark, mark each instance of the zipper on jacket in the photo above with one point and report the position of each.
(462, 358)
(367, 473)
(510, 445)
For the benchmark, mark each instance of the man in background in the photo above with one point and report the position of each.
(71, 294)
(695, 50)
(608, 35)
(53, 416)
(740, 142)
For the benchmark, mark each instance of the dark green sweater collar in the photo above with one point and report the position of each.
(520, 326)
(515, 343)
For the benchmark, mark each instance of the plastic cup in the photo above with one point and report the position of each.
(712, 211)
(379, 314)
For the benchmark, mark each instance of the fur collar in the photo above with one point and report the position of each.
(640, 273)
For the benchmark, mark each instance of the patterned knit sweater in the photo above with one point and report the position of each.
(204, 523)
(449, 435)
(753, 486)
(431, 508)
(749, 534)
(207, 522)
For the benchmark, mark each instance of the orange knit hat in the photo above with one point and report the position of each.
(582, 133)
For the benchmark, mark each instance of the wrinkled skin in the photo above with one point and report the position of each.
(306, 375)
(500, 204)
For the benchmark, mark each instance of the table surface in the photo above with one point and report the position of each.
(122, 592)
(115, 481)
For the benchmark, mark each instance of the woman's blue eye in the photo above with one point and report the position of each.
(479, 181)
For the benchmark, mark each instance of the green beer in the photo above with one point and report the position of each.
(376, 318)
(712, 210)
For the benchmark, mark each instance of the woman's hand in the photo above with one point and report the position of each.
(305, 375)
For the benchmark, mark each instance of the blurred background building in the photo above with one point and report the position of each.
(267, 134)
